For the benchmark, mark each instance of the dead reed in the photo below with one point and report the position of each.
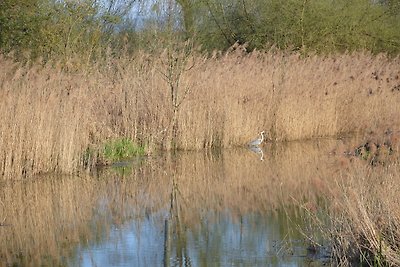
(365, 218)
(52, 120)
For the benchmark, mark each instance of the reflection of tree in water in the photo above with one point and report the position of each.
(218, 206)
(174, 230)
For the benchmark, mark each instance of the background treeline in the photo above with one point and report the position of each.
(90, 28)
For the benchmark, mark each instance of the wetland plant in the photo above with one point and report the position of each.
(120, 149)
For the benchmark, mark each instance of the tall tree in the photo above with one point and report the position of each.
(187, 7)
(20, 22)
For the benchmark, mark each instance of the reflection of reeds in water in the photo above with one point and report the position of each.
(41, 216)
(46, 218)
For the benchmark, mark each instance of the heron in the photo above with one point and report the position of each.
(258, 141)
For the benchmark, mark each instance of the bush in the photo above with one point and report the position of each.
(309, 25)
(120, 149)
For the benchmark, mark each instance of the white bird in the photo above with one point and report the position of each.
(258, 141)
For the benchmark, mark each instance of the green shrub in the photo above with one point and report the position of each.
(120, 149)
(322, 26)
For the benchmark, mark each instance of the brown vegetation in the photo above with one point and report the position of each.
(53, 120)
(365, 220)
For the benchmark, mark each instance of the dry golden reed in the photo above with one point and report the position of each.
(365, 218)
(51, 119)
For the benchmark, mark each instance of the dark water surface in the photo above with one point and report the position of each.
(225, 208)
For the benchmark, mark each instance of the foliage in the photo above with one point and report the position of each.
(52, 29)
(87, 29)
(120, 149)
(19, 24)
(307, 25)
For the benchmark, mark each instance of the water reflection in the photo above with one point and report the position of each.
(189, 209)
(252, 240)
(258, 151)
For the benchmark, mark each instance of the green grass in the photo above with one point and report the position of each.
(120, 149)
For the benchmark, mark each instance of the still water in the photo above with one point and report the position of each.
(251, 240)
(225, 208)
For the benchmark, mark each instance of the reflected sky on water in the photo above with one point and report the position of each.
(251, 240)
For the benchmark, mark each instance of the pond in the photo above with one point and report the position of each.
(222, 208)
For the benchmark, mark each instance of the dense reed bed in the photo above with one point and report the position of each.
(54, 120)
(365, 216)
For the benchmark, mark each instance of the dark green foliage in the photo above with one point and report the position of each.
(53, 29)
(20, 24)
(87, 29)
(307, 25)
(120, 149)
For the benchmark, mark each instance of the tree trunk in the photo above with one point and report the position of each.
(188, 18)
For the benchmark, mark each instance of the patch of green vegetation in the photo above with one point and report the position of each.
(119, 149)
